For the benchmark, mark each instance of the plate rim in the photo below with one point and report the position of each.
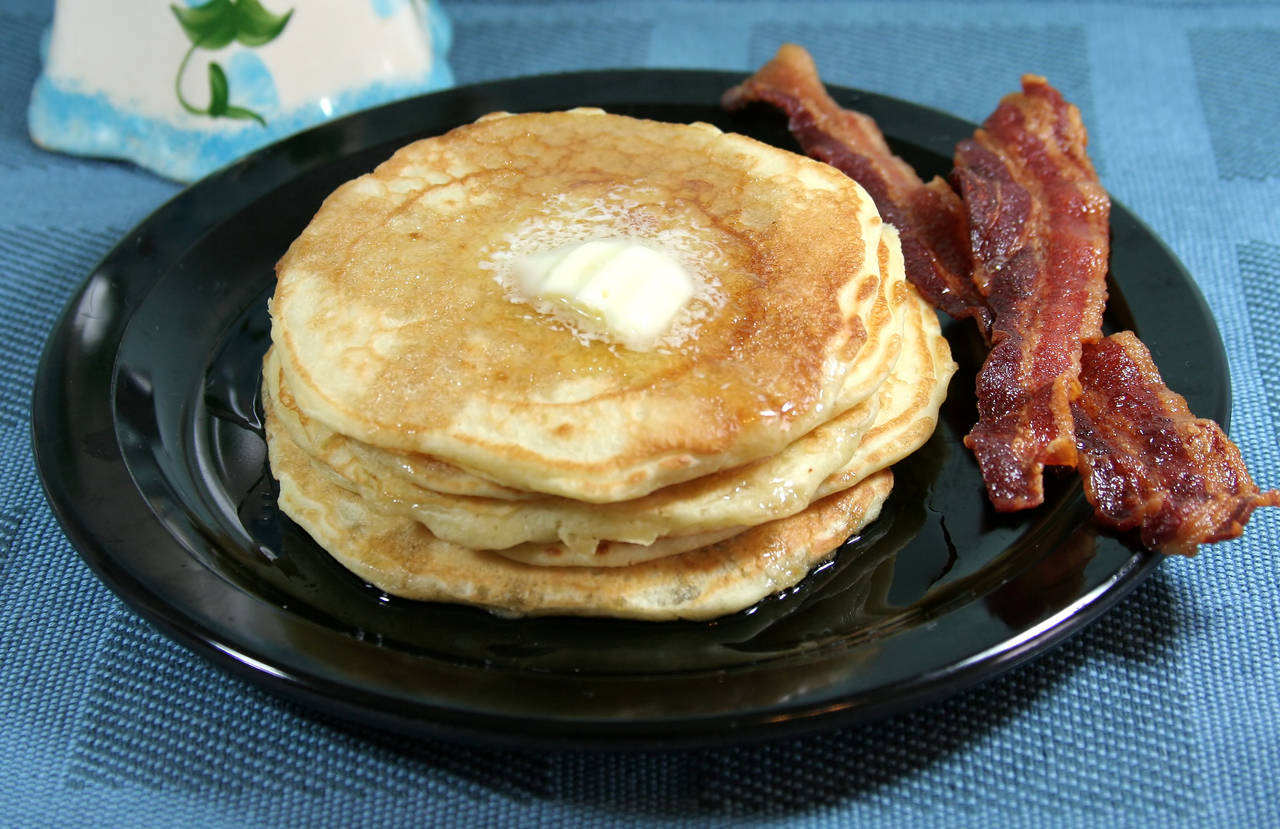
(498, 729)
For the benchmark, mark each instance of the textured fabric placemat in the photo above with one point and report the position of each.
(1165, 712)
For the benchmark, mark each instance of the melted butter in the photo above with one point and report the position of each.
(637, 215)
(630, 290)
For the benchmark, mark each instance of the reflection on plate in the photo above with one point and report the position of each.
(149, 440)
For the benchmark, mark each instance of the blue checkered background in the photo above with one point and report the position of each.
(1166, 712)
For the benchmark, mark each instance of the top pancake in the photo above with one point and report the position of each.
(395, 324)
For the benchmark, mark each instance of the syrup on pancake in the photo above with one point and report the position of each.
(448, 435)
(395, 326)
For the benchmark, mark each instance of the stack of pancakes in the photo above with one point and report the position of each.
(448, 438)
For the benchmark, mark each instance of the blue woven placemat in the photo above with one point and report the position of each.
(1166, 712)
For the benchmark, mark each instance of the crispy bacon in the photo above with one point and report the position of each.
(929, 217)
(1039, 224)
(1148, 463)
(1040, 228)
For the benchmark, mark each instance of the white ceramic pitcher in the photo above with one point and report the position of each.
(183, 88)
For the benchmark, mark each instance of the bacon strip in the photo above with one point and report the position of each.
(929, 217)
(1033, 198)
(1148, 463)
(1040, 227)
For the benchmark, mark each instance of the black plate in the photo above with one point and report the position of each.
(148, 439)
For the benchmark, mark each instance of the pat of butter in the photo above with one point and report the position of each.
(631, 289)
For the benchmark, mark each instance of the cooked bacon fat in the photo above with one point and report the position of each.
(1040, 232)
(1150, 465)
(929, 217)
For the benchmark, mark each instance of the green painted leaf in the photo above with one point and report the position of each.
(214, 26)
(255, 25)
(245, 114)
(211, 26)
(219, 92)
